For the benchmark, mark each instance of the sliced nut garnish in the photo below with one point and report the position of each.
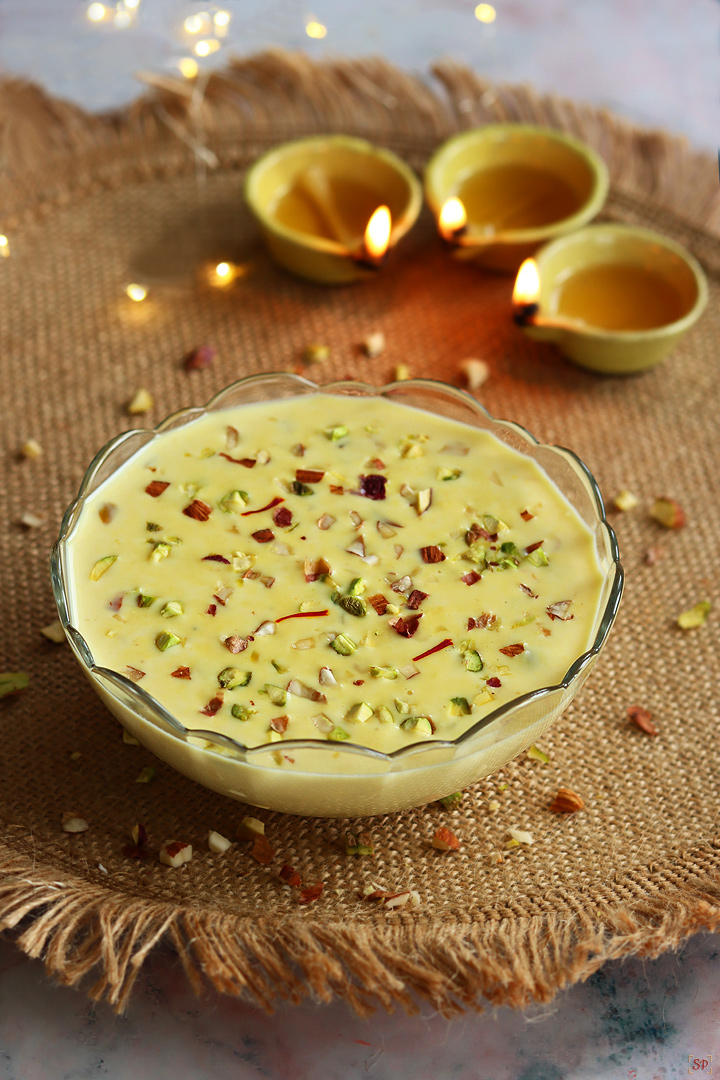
(475, 372)
(374, 344)
(31, 449)
(249, 828)
(71, 823)
(175, 853)
(566, 802)
(217, 842)
(31, 521)
(444, 840)
(54, 632)
(518, 836)
(668, 512)
(142, 402)
(696, 616)
(625, 500)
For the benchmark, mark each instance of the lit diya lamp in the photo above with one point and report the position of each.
(612, 298)
(330, 208)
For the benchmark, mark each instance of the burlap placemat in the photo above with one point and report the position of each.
(90, 203)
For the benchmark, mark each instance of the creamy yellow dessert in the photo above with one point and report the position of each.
(333, 568)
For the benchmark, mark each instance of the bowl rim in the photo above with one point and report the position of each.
(172, 726)
(398, 226)
(489, 132)
(678, 326)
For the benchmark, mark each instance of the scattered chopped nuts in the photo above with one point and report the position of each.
(374, 344)
(262, 852)
(129, 739)
(476, 372)
(402, 372)
(316, 354)
(444, 840)
(652, 555)
(493, 805)
(11, 682)
(449, 801)
(519, 836)
(73, 824)
(538, 755)
(668, 512)
(31, 449)
(310, 893)
(566, 802)
(642, 719)
(358, 843)
(142, 402)
(290, 874)
(695, 617)
(146, 775)
(625, 500)
(218, 843)
(249, 828)
(31, 521)
(175, 853)
(54, 632)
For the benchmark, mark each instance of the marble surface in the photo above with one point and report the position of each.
(655, 61)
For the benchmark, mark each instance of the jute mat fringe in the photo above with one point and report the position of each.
(87, 200)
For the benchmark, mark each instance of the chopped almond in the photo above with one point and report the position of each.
(642, 719)
(262, 852)
(566, 802)
(444, 840)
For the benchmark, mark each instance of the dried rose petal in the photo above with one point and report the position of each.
(282, 517)
(211, 609)
(180, 673)
(526, 515)
(199, 358)
(262, 852)
(154, 488)
(249, 463)
(290, 874)
(642, 719)
(216, 558)
(198, 510)
(373, 486)
(494, 681)
(312, 892)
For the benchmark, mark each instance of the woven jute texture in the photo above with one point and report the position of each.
(154, 195)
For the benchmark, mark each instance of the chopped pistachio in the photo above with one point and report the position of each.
(13, 681)
(401, 707)
(625, 500)
(171, 609)
(358, 843)
(402, 372)
(383, 672)
(356, 587)
(337, 432)
(526, 619)
(448, 474)
(383, 714)
(142, 402)
(338, 735)
(32, 449)
(473, 660)
(509, 555)
(129, 739)
(152, 526)
(359, 713)
(298, 488)
(280, 668)
(143, 600)
(242, 712)
(316, 354)
(160, 551)
(146, 775)
(695, 617)
(421, 724)
(537, 557)
(354, 605)
(249, 828)
(166, 640)
(449, 801)
(277, 694)
(101, 567)
(54, 632)
(477, 554)
(344, 645)
(537, 754)
(234, 502)
(232, 677)
(459, 706)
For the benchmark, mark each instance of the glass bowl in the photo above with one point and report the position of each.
(329, 779)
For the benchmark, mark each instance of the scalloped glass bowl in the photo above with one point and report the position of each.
(330, 779)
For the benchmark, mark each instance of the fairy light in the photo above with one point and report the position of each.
(207, 46)
(223, 270)
(96, 12)
(315, 29)
(132, 4)
(222, 20)
(194, 24)
(4, 247)
(136, 292)
(188, 67)
(122, 18)
(485, 13)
